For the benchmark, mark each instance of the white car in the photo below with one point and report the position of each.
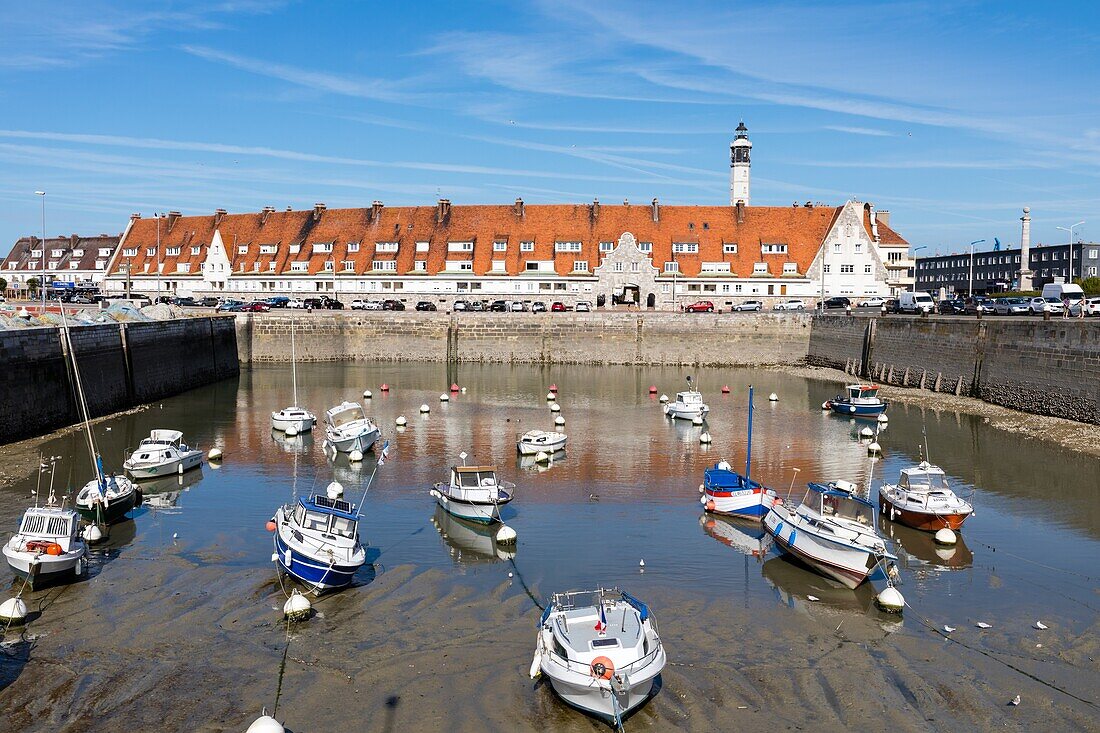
(1038, 306)
(583, 306)
(296, 303)
(358, 305)
(1092, 306)
(873, 303)
(372, 305)
(749, 305)
(790, 305)
(517, 306)
(461, 305)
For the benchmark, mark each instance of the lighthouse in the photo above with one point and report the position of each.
(739, 166)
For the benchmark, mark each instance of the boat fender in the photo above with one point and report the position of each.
(603, 668)
(710, 505)
(271, 526)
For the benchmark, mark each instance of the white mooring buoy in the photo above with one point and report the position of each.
(424, 409)
(93, 534)
(13, 611)
(297, 607)
(559, 420)
(664, 399)
(444, 397)
(555, 407)
(704, 437)
(367, 394)
(401, 421)
(506, 535)
(291, 431)
(883, 418)
(355, 456)
(773, 397)
(215, 454)
(550, 396)
(867, 433)
(641, 565)
(945, 537)
(265, 724)
(697, 420)
(874, 448)
(890, 599)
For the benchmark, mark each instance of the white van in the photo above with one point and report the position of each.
(915, 303)
(1064, 291)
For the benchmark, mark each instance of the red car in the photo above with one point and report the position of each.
(557, 307)
(700, 306)
(256, 307)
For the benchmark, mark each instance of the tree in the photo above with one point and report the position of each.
(32, 285)
(1091, 285)
(3, 285)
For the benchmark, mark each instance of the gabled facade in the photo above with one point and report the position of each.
(82, 261)
(666, 254)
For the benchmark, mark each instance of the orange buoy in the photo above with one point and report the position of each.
(53, 549)
(553, 388)
(603, 668)
(653, 389)
(271, 525)
(385, 387)
(454, 386)
(726, 389)
(710, 505)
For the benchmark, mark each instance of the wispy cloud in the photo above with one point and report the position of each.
(869, 131)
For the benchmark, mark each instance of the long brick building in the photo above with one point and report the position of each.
(75, 260)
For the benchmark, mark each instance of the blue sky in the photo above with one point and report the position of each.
(952, 115)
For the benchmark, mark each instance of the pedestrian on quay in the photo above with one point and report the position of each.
(1065, 307)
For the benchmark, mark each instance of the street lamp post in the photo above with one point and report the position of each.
(970, 288)
(42, 284)
(1070, 230)
(821, 303)
(157, 299)
(915, 250)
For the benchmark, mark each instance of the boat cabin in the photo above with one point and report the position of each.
(689, 398)
(472, 477)
(924, 478)
(345, 413)
(862, 391)
(159, 439)
(326, 516)
(49, 524)
(838, 500)
(579, 635)
(723, 478)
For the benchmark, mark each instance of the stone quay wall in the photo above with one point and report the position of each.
(558, 338)
(121, 365)
(1041, 367)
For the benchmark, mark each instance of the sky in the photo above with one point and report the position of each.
(953, 116)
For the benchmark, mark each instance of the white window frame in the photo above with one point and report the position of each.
(500, 245)
(760, 268)
(607, 246)
(462, 246)
(172, 252)
(384, 265)
(685, 247)
(384, 247)
(580, 265)
(528, 246)
(672, 267)
(773, 248)
(567, 246)
(420, 266)
(646, 247)
(321, 248)
(299, 267)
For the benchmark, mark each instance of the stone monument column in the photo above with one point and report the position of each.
(1025, 246)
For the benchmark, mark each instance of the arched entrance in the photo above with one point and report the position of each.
(629, 294)
(651, 300)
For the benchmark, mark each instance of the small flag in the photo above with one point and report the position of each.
(385, 453)
(601, 624)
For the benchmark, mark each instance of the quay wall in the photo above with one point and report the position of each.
(560, 338)
(121, 365)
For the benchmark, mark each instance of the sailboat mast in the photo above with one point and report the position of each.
(92, 452)
(748, 452)
(293, 363)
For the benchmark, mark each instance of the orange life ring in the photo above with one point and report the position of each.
(603, 668)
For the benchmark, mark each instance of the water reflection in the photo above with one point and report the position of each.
(744, 535)
(470, 543)
(917, 548)
(163, 494)
(529, 463)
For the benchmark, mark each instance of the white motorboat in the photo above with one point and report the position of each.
(922, 499)
(162, 453)
(348, 429)
(833, 531)
(534, 442)
(296, 419)
(107, 499)
(317, 540)
(48, 546)
(688, 405)
(600, 650)
(474, 493)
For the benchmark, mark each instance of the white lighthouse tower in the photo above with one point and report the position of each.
(739, 166)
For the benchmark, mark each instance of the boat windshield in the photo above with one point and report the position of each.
(844, 508)
(859, 390)
(345, 416)
(320, 522)
(924, 480)
(473, 479)
(689, 398)
(45, 524)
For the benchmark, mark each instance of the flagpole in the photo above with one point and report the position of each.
(381, 460)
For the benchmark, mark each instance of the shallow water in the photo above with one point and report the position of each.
(625, 490)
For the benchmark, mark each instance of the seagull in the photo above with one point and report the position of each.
(984, 625)
(812, 598)
(1014, 701)
(948, 629)
(641, 563)
(1040, 625)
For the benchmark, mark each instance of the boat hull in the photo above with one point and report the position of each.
(188, 461)
(480, 512)
(844, 564)
(686, 412)
(849, 410)
(50, 568)
(301, 424)
(531, 449)
(743, 504)
(361, 442)
(116, 511)
(597, 697)
(319, 574)
(925, 521)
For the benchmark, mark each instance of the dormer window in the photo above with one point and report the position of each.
(685, 247)
(56, 252)
(526, 246)
(78, 253)
(353, 247)
(385, 247)
(607, 246)
(500, 245)
(567, 246)
(242, 249)
(322, 247)
(172, 251)
(672, 267)
(773, 249)
(760, 268)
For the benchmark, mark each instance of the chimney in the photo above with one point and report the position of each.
(219, 214)
(518, 207)
(264, 214)
(442, 210)
(74, 239)
(655, 208)
(740, 212)
(375, 210)
(595, 210)
(135, 217)
(873, 215)
(172, 216)
(318, 209)
(884, 216)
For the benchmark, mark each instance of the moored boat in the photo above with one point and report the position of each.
(833, 532)
(348, 429)
(48, 546)
(107, 498)
(688, 405)
(295, 419)
(600, 650)
(317, 540)
(923, 500)
(727, 492)
(474, 493)
(861, 400)
(161, 454)
(540, 441)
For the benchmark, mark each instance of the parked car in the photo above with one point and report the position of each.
(749, 305)
(82, 300)
(229, 306)
(951, 307)
(256, 306)
(910, 302)
(557, 307)
(278, 301)
(837, 302)
(426, 305)
(183, 302)
(479, 305)
(875, 302)
(538, 307)
(583, 306)
(700, 306)
(460, 305)
(160, 298)
(1039, 306)
(372, 305)
(971, 304)
(1092, 306)
(499, 306)
(294, 303)
(358, 305)
(1010, 306)
(517, 306)
(392, 305)
(793, 304)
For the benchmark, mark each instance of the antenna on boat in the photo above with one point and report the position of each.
(924, 433)
(793, 477)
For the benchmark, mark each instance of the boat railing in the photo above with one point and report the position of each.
(585, 668)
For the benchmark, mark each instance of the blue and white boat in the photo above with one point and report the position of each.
(474, 493)
(317, 540)
(862, 400)
(727, 492)
(833, 532)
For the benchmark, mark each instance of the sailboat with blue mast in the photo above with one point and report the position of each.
(733, 494)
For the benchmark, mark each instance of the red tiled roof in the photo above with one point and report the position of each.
(20, 254)
(803, 229)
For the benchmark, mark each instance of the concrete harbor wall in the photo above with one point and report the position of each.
(121, 365)
(558, 338)
(1042, 367)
